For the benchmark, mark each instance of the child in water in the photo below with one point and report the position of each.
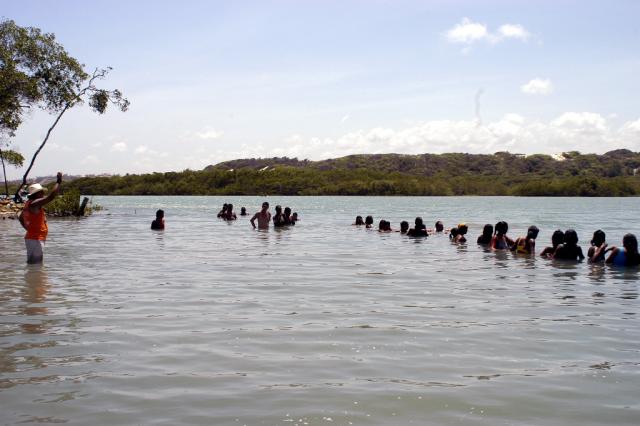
(527, 245)
(570, 250)
(557, 238)
(404, 227)
(500, 241)
(384, 226)
(158, 223)
(596, 252)
(243, 211)
(368, 222)
(626, 256)
(359, 221)
(453, 233)
(487, 235)
(419, 230)
(462, 231)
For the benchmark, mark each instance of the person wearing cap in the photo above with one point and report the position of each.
(33, 220)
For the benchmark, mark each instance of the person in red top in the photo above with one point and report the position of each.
(33, 220)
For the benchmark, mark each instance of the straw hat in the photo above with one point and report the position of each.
(35, 188)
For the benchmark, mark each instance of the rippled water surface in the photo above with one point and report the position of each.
(211, 322)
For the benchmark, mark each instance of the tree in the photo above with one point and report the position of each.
(36, 71)
(13, 158)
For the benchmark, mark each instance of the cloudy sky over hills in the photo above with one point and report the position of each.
(214, 81)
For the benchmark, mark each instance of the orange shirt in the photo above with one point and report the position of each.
(36, 223)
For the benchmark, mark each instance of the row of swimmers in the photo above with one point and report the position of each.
(282, 217)
(564, 245)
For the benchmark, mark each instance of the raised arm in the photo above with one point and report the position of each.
(41, 202)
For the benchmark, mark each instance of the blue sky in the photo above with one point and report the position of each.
(213, 81)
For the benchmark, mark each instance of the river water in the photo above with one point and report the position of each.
(214, 323)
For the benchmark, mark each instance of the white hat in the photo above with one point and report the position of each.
(35, 188)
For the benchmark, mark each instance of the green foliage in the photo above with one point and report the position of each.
(35, 70)
(66, 204)
(13, 158)
(392, 174)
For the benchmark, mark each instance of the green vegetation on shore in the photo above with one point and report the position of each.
(575, 174)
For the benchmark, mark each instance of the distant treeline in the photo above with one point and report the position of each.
(611, 174)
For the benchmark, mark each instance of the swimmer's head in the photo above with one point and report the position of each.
(570, 237)
(287, 211)
(359, 220)
(532, 232)
(243, 210)
(278, 209)
(598, 238)
(462, 229)
(557, 238)
(439, 226)
(368, 220)
(230, 207)
(453, 233)
(630, 243)
(487, 231)
(418, 222)
(160, 214)
(502, 228)
(265, 205)
(381, 225)
(404, 226)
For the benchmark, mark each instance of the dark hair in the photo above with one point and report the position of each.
(243, 209)
(418, 222)
(439, 226)
(532, 232)
(462, 229)
(599, 237)
(359, 220)
(278, 208)
(570, 237)
(229, 206)
(501, 227)
(381, 225)
(287, 211)
(453, 232)
(368, 220)
(404, 226)
(265, 204)
(557, 238)
(630, 243)
(160, 213)
(487, 231)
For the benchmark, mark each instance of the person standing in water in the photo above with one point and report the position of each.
(158, 223)
(33, 220)
(263, 217)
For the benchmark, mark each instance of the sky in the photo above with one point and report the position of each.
(211, 81)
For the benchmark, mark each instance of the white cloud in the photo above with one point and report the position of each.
(119, 147)
(210, 134)
(582, 131)
(141, 149)
(90, 159)
(513, 31)
(537, 86)
(632, 126)
(468, 32)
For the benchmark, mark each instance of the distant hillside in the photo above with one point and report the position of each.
(621, 162)
(570, 174)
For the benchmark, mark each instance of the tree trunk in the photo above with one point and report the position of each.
(4, 172)
(33, 159)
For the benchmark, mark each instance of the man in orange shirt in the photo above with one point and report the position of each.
(33, 220)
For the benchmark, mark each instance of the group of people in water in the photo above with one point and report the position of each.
(281, 218)
(564, 245)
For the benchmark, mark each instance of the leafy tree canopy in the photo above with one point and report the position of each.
(35, 70)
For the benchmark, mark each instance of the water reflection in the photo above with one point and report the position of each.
(34, 295)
